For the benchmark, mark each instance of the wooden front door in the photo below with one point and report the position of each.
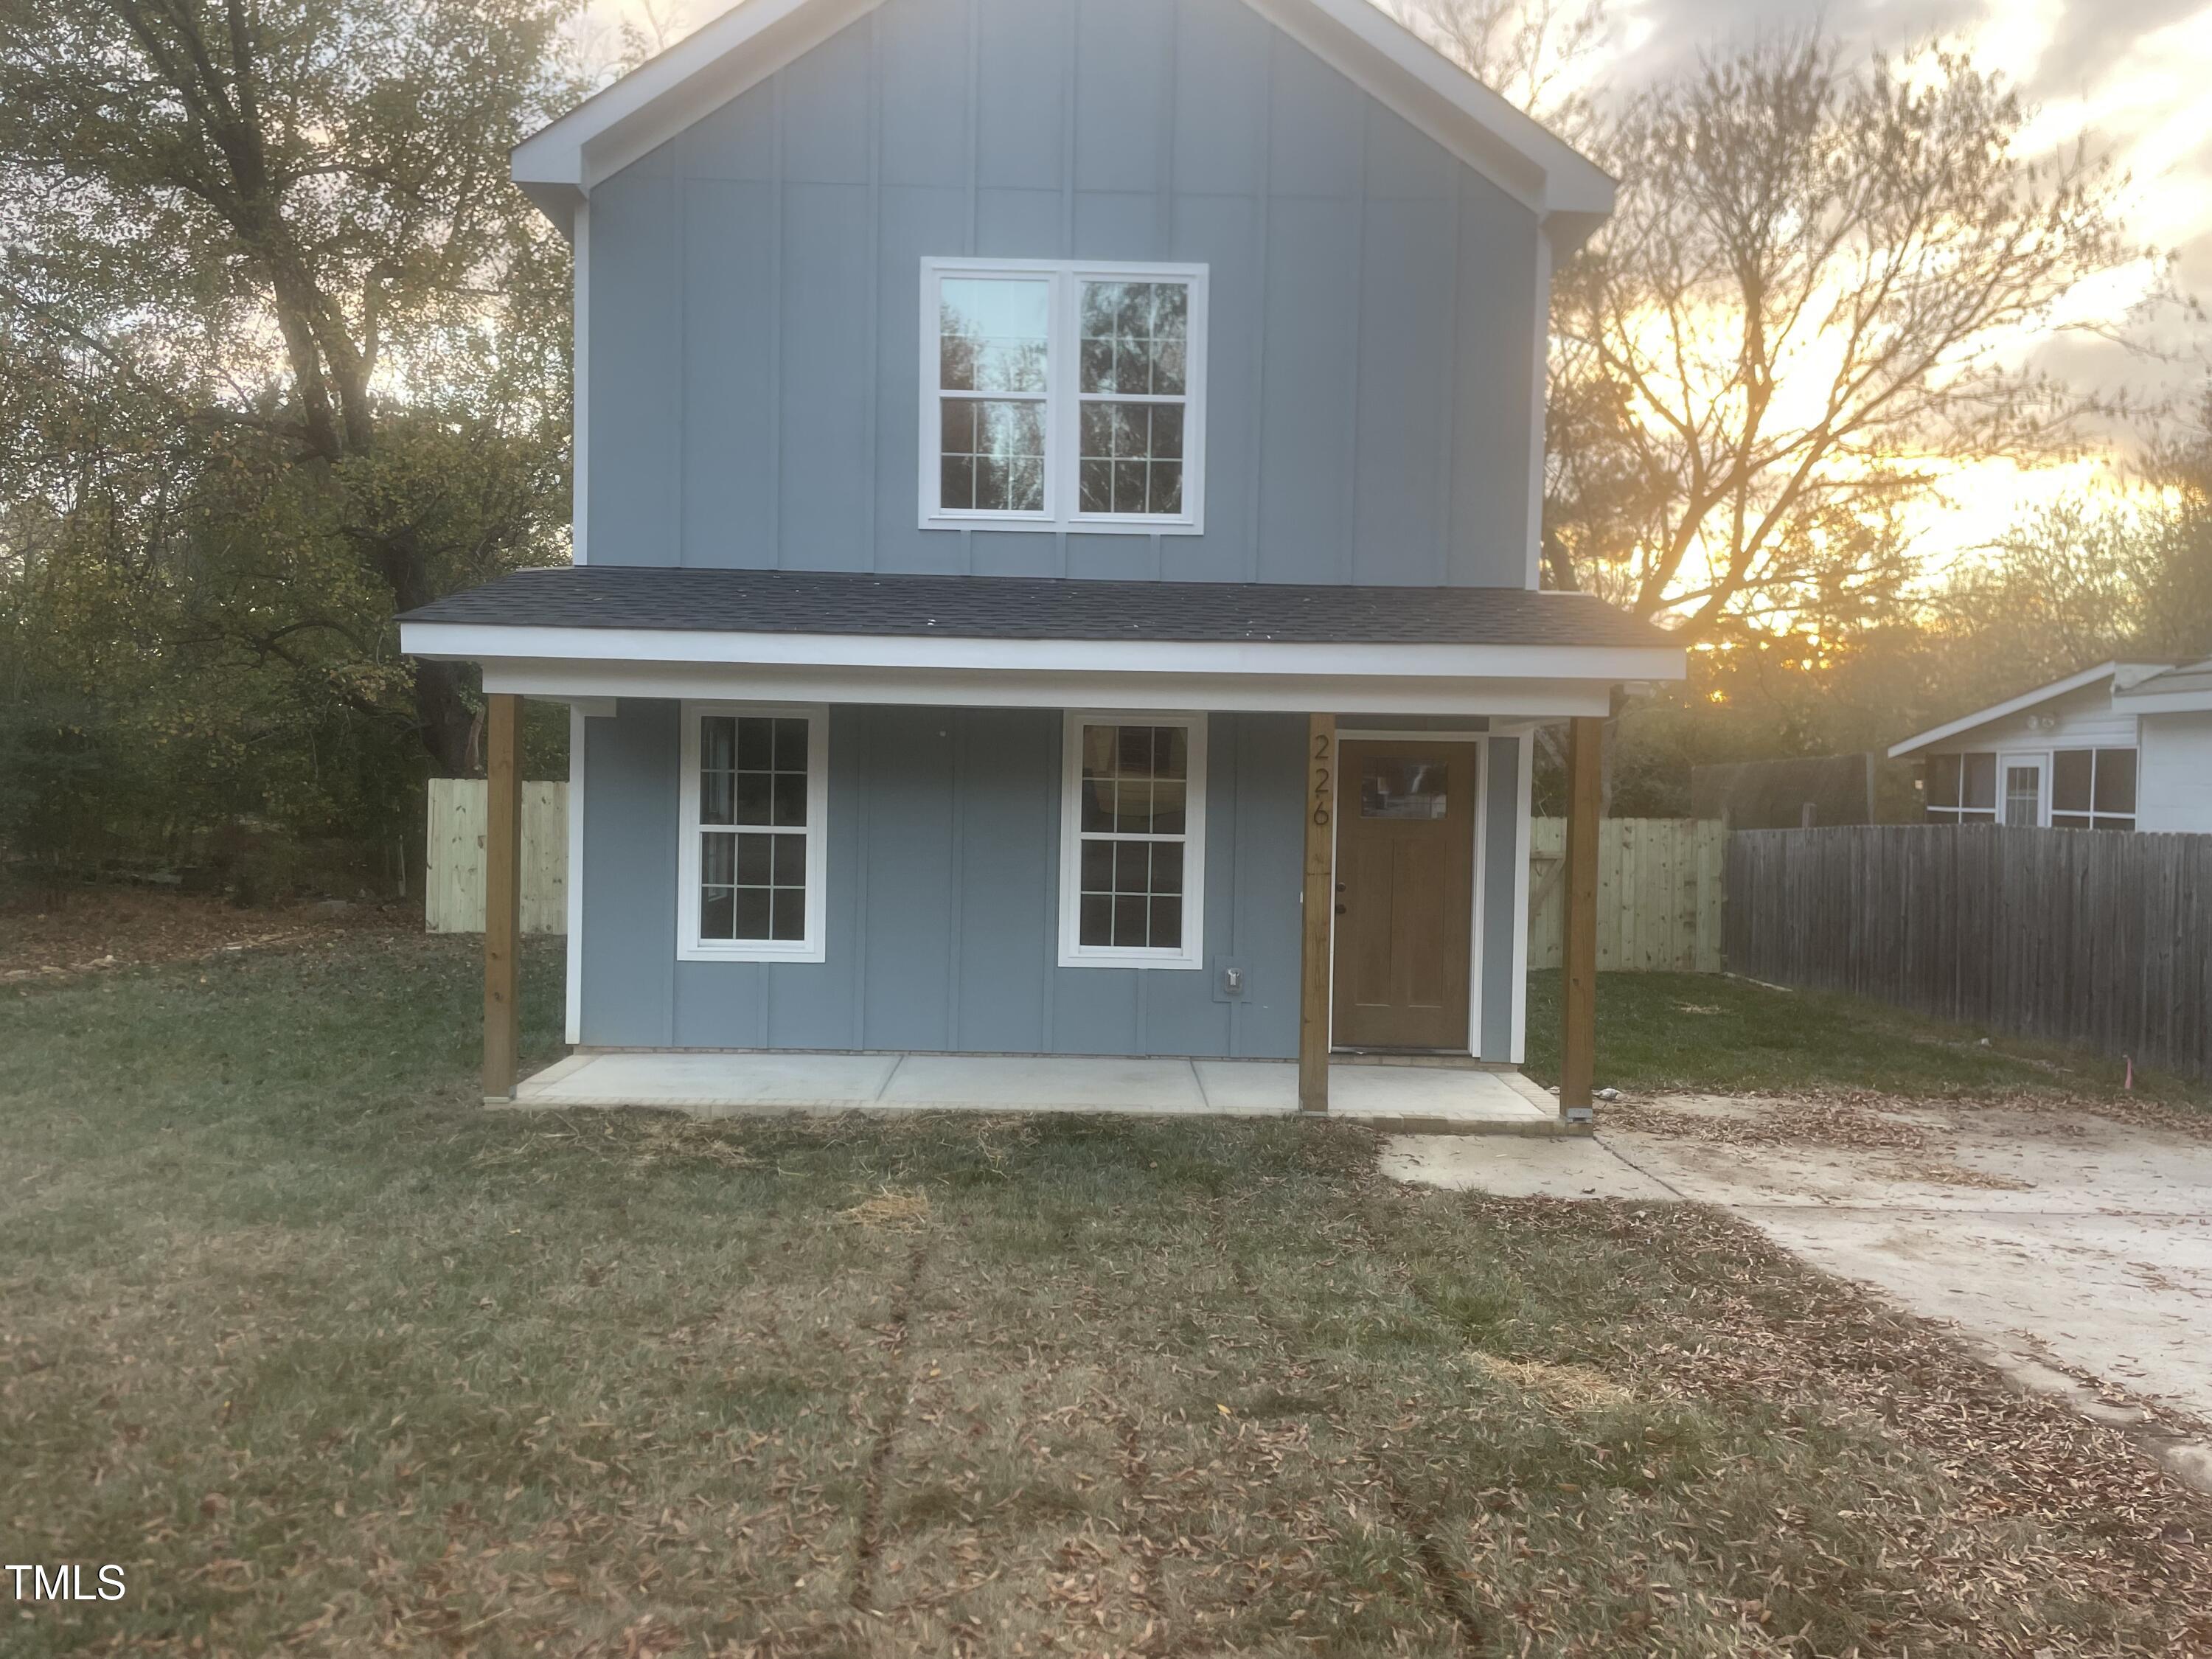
(1405, 866)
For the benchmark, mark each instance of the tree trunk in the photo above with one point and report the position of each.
(443, 717)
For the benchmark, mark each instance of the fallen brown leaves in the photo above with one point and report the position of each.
(1858, 1122)
(93, 930)
(2110, 1523)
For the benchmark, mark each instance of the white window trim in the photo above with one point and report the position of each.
(1956, 815)
(2096, 751)
(1072, 952)
(2040, 760)
(690, 947)
(1063, 403)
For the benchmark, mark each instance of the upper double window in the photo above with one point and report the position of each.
(1063, 395)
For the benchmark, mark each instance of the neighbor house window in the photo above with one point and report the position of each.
(1962, 789)
(1132, 841)
(750, 871)
(2093, 789)
(1064, 395)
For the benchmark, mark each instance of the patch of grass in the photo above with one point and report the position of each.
(333, 1361)
(1711, 1032)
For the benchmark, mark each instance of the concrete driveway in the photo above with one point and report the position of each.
(2073, 1250)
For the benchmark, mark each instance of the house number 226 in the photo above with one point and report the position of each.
(1324, 752)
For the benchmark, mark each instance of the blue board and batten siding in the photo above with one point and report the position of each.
(944, 869)
(754, 299)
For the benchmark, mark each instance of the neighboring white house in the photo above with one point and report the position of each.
(2124, 745)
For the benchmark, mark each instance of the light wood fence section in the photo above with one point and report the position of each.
(2088, 937)
(453, 882)
(1659, 887)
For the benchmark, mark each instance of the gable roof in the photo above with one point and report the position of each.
(2120, 675)
(558, 166)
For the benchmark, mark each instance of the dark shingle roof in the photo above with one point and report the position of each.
(1032, 608)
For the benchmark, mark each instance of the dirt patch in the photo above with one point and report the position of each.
(92, 930)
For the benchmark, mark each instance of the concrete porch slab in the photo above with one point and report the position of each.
(1010, 1083)
(706, 1081)
(1405, 1099)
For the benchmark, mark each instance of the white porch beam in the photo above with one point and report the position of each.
(1520, 699)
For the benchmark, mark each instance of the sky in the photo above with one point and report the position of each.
(2134, 76)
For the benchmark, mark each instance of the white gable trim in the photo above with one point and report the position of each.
(1385, 60)
(558, 166)
(2121, 675)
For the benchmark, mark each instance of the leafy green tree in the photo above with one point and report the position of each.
(287, 351)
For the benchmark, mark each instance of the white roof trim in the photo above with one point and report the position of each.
(2164, 693)
(2123, 674)
(558, 166)
(1519, 154)
(1531, 700)
(488, 644)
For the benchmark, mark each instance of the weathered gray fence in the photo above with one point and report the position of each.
(2079, 936)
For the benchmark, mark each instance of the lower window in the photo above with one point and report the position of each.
(2093, 789)
(749, 876)
(1132, 841)
(1962, 789)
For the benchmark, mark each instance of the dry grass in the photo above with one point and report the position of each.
(1576, 1387)
(904, 1209)
(337, 1364)
(1708, 1033)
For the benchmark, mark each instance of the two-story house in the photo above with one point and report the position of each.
(1056, 552)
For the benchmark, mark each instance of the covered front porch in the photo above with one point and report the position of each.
(1405, 1099)
(1052, 818)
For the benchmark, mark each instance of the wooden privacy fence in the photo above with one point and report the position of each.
(453, 878)
(2088, 937)
(1658, 894)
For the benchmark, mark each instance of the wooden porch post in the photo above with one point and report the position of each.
(1320, 914)
(1578, 944)
(502, 1053)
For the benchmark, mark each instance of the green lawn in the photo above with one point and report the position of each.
(1708, 1031)
(334, 1362)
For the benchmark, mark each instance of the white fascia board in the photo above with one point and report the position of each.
(1534, 699)
(1384, 58)
(1999, 711)
(2129, 676)
(471, 643)
(2165, 702)
(2167, 689)
(615, 126)
(559, 164)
